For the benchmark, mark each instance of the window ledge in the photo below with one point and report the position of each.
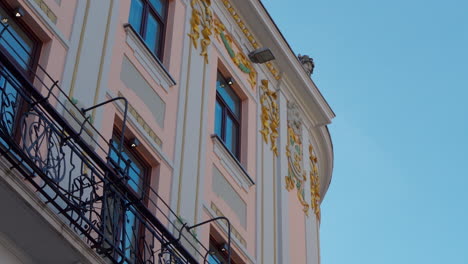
(231, 164)
(151, 63)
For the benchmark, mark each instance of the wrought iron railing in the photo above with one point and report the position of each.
(66, 160)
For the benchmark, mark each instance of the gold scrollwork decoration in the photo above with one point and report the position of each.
(201, 25)
(238, 58)
(269, 115)
(294, 151)
(314, 183)
(249, 36)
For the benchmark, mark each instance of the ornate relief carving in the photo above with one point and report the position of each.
(201, 23)
(249, 36)
(314, 183)
(296, 174)
(238, 58)
(269, 116)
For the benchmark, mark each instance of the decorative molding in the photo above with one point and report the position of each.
(314, 183)
(249, 36)
(294, 151)
(231, 165)
(153, 66)
(132, 111)
(47, 11)
(44, 17)
(269, 116)
(201, 22)
(238, 58)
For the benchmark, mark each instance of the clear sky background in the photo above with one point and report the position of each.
(396, 75)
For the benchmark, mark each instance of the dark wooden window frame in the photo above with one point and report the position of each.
(147, 9)
(226, 111)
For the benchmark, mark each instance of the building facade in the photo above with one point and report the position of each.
(157, 131)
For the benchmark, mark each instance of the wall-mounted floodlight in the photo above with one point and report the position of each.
(261, 55)
(134, 143)
(230, 81)
(19, 12)
(224, 247)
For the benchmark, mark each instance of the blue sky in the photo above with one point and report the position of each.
(396, 75)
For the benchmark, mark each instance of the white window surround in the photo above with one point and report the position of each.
(152, 65)
(233, 167)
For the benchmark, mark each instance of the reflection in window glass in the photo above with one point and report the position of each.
(15, 41)
(8, 99)
(218, 119)
(134, 168)
(152, 33)
(231, 135)
(227, 115)
(135, 172)
(159, 6)
(228, 95)
(136, 9)
(148, 18)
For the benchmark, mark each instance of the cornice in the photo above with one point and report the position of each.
(267, 33)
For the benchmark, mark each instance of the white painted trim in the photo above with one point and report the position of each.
(11, 246)
(154, 67)
(46, 21)
(14, 180)
(228, 162)
(267, 34)
(182, 100)
(283, 194)
(139, 129)
(224, 227)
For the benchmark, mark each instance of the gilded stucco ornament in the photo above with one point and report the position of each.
(201, 25)
(314, 183)
(238, 58)
(269, 116)
(294, 151)
(249, 36)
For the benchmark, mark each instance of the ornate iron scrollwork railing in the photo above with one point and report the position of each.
(66, 160)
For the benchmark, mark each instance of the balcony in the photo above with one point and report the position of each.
(52, 146)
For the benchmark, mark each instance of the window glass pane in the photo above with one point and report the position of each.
(131, 230)
(8, 99)
(212, 259)
(136, 13)
(159, 5)
(231, 135)
(228, 95)
(15, 41)
(218, 118)
(152, 33)
(135, 169)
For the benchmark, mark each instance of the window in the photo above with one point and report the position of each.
(148, 18)
(219, 253)
(21, 49)
(227, 116)
(130, 233)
